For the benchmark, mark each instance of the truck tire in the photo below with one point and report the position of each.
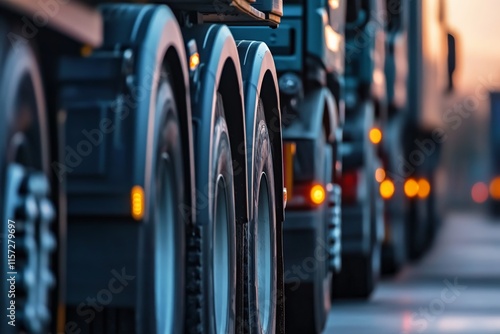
(394, 252)
(164, 235)
(212, 245)
(357, 278)
(262, 249)
(311, 300)
(26, 202)
(360, 271)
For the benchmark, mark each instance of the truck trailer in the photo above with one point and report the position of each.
(141, 168)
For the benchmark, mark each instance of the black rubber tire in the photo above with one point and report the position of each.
(394, 251)
(201, 279)
(262, 175)
(360, 272)
(357, 279)
(416, 232)
(307, 304)
(24, 146)
(164, 230)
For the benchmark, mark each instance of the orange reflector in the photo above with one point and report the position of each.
(317, 194)
(387, 189)
(424, 188)
(289, 149)
(495, 188)
(479, 192)
(137, 202)
(86, 51)
(411, 188)
(380, 175)
(375, 135)
(194, 61)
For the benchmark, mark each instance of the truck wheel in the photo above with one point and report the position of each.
(262, 252)
(394, 252)
(358, 276)
(311, 300)
(26, 206)
(359, 271)
(212, 267)
(165, 228)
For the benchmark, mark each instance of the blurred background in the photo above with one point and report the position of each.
(466, 161)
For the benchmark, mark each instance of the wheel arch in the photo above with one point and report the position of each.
(161, 43)
(220, 68)
(316, 112)
(260, 81)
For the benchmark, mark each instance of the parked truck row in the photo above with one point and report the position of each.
(225, 166)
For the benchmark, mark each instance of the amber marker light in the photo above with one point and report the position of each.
(194, 61)
(387, 189)
(137, 202)
(375, 135)
(424, 188)
(495, 188)
(380, 175)
(86, 51)
(411, 188)
(317, 194)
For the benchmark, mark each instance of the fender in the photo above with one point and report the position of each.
(219, 58)
(127, 68)
(161, 38)
(316, 112)
(259, 72)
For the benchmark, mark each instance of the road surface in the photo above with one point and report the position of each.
(455, 289)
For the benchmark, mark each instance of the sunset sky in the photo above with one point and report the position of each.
(477, 24)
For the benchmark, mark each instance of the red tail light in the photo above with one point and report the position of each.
(349, 185)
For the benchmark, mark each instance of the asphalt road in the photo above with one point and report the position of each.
(455, 289)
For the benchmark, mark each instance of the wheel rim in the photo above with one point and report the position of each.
(165, 252)
(28, 204)
(264, 254)
(221, 259)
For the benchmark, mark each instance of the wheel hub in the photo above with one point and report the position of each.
(32, 213)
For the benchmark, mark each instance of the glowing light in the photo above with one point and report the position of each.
(334, 4)
(86, 51)
(479, 192)
(411, 188)
(194, 61)
(380, 175)
(285, 197)
(137, 202)
(387, 189)
(375, 135)
(424, 188)
(317, 194)
(495, 188)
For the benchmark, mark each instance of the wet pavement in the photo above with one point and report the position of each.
(454, 289)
